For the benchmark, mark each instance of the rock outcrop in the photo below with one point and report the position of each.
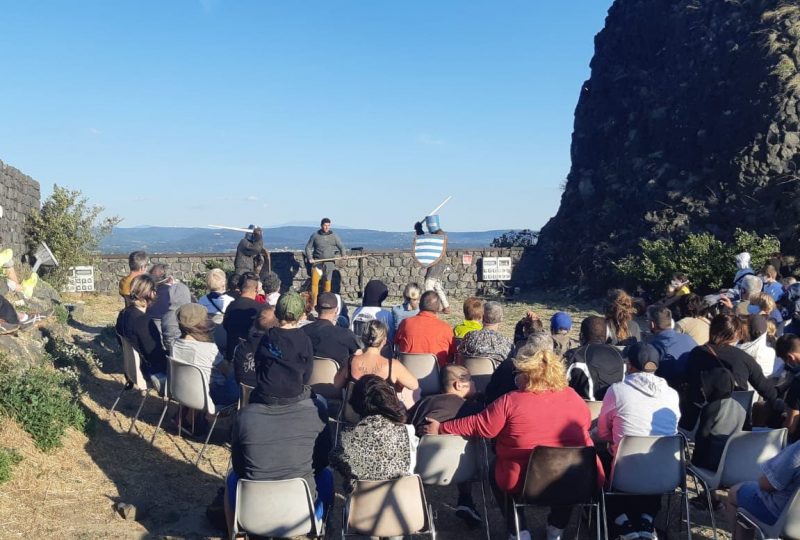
(688, 123)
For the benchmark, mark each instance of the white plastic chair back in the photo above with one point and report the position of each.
(745, 399)
(131, 365)
(594, 408)
(648, 465)
(188, 386)
(387, 507)
(744, 454)
(789, 520)
(480, 369)
(446, 459)
(276, 508)
(322, 374)
(425, 367)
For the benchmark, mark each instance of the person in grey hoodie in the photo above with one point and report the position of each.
(642, 404)
(323, 244)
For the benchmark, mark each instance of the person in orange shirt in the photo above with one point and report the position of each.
(137, 262)
(425, 332)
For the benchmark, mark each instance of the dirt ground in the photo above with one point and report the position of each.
(71, 492)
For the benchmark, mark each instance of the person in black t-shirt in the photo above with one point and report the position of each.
(594, 366)
(241, 313)
(457, 388)
(328, 339)
(244, 354)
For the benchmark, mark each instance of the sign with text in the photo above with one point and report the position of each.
(496, 268)
(80, 279)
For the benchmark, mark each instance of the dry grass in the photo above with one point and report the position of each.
(70, 493)
(781, 12)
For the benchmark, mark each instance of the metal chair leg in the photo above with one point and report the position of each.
(605, 514)
(208, 436)
(116, 401)
(485, 511)
(138, 411)
(160, 420)
(516, 516)
(688, 519)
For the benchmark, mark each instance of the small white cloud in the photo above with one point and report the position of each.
(426, 139)
(251, 198)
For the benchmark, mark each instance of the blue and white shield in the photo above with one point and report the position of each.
(429, 248)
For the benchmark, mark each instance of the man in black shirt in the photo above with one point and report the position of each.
(241, 313)
(595, 365)
(328, 339)
(453, 402)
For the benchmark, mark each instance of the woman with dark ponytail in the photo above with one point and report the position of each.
(381, 446)
(372, 362)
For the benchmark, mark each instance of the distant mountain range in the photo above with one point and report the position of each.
(202, 240)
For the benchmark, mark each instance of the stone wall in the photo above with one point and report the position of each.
(19, 195)
(395, 268)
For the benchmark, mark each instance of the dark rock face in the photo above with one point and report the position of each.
(688, 123)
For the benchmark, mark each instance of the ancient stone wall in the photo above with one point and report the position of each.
(689, 123)
(19, 195)
(395, 268)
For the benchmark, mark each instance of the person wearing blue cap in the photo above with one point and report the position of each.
(560, 326)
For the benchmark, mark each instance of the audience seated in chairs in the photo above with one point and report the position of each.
(327, 338)
(170, 295)
(283, 433)
(488, 341)
(372, 362)
(371, 309)
(695, 322)
(560, 327)
(380, 446)
(454, 402)
(595, 365)
(241, 312)
(620, 311)
(545, 411)
(244, 366)
(141, 332)
(642, 404)
(217, 300)
(137, 262)
(410, 305)
(426, 333)
(473, 317)
(504, 378)
(673, 348)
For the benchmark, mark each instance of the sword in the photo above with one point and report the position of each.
(339, 258)
(229, 228)
(433, 212)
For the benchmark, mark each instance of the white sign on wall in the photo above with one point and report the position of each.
(496, 269)
(81, 279)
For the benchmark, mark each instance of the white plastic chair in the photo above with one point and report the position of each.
(276, 509)
(480, 369)
(443, 460)
(649, 466)
(594, 408)
(425, 367)
(387, 508)
(188, 387)
(134, 379)
(786, 527)
(323, 373)
(741, 461)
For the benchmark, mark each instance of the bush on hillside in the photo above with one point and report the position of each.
(72, 229)
(44, 402)
(707, 261)
(522, 238)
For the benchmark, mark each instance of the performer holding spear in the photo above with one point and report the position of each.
(429, 252)
(323, 246)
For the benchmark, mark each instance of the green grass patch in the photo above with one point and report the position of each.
(8, 458)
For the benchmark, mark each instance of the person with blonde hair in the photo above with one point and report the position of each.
(410, 306)
(217, 300)
(543, 411)
(620, 311)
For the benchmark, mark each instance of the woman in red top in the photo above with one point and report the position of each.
(544, 411)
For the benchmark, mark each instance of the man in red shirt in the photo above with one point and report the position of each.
(425, 332)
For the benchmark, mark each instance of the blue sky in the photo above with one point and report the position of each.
(187, 112)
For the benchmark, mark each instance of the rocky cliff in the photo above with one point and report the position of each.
(688, 123)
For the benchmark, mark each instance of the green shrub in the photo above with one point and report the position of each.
(8, 458)
(43, 401)
(707, 261)
(198, 283)
(65, 354)
(521, 238)
(61, 313)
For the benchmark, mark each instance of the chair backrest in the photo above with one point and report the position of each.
(745, 399)
(346, 412)
(480, 369)
(746, 451)
(649, 465)
(387, 507)
(446, 459)
(275, 508)
(425, 367)
(244, 394)
(561, 476)
(131, 365)
(188, 386)
(788, 524)
(594, 408)
(322, 374)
